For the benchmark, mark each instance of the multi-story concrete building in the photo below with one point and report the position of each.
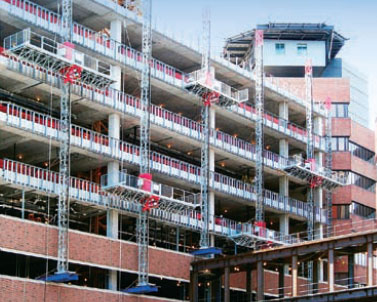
(105, 139)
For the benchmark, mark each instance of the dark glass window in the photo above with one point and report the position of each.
(361, 152)
(339, 143)
(361, 181)
(342, 211)
(362, 210)
(280, 48)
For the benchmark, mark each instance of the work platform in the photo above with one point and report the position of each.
(204, 84)
(158, 196)
(314, 174)
(58, 58)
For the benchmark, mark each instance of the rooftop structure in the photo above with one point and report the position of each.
(316, 40)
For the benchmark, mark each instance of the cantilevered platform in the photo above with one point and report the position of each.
(134, 189)
(261, 237)
(308, 172)
(203, 83)
(56, 57)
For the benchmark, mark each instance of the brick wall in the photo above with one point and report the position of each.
(341, 127)
(345, 161)
(362, 136)
(23, 290)
(336, 88)
(345, 195)
(31, 237)
(341, 160)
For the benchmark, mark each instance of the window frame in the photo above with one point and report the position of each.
(300, 47)
(280, 51)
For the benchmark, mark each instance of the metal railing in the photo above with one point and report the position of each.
(279, 124)
(101, 43)
(124, 180)
(130, 105)
(103, 145)
(200, 77)
(318, 169)
(65, 52)
(82, 190)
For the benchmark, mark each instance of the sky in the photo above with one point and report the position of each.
(354, 19)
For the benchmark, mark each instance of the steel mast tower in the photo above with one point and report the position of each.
(259, 136)
(143, 285)
(64, 158)
(310, 142)
(328, 161)
(62, 274)
(310, 157)
(208, 98)
(204, 172)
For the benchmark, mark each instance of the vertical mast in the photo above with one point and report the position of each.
(142, 222)
(64, 157)
(328, 162)
(204, 174)
(310, 159)
(259, 136)
(309, 145)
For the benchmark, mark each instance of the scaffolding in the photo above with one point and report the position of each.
(328, 161)
(259, 137)
(310, 159)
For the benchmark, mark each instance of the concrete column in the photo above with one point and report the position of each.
(281, 281)
(112, 218)
(112, 228)
(116, 34)
(114, 119)
(283, 110)
(370, 264)
(283, 180)
(330, 270)
(112, 224)
(211, 199)
(249, 292)
(226, 284)
(294, 276)
(260, 281)
(114, 132)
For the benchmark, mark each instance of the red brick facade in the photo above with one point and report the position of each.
(83, 247)
(337, 89)
(23, 290)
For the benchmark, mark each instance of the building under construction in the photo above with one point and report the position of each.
(135, 167)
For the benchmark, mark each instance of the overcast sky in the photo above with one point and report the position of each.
(354, 19)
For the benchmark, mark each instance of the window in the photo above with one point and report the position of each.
(342, 211)
(361, 152)
(360, 181)
(302, 49)
(280, 48)
(362, 210)
(339, 143)
(339, 110)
